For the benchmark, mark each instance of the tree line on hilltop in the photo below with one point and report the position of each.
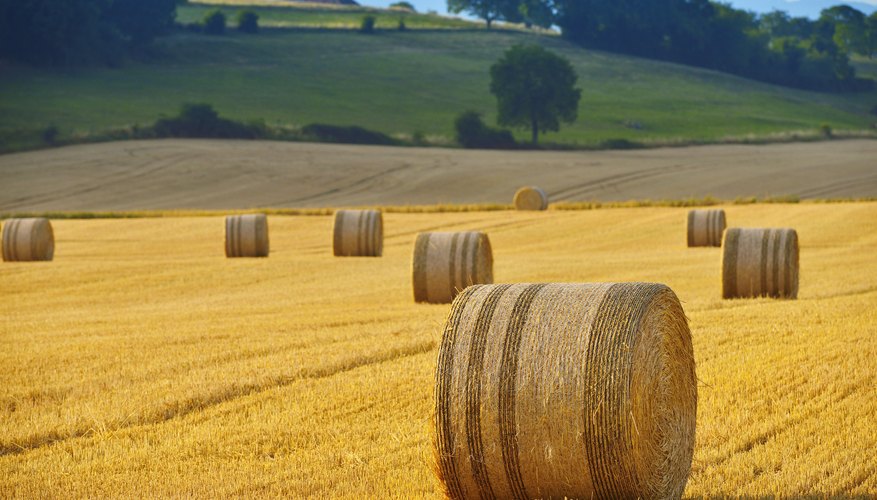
(774, 47)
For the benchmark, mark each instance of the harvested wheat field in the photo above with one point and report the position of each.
(142, 362)
(221, 175)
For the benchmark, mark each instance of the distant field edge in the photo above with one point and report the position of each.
(9, 145)
(431, 209)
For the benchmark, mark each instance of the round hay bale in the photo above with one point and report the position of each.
(246, 235)
(531, 198)
(358, 233)
(28, 240)
(446, 263)
(705, 228)
(760, 263)
(565, 390)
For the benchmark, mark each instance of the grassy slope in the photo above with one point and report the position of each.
(186, 373)
(401, 83)
(285, 17)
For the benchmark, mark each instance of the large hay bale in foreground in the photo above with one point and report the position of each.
(446, 263)
(705, 228)
(358, 233)
(760, 263)
(531, 198)
(246, 235)
(565, 390)
(28, 240)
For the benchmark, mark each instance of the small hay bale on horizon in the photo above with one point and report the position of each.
(760, 263)
(28, 240)
(358, 233)
(246, 236)
(565, 391)
(705, 228)
(531, 198)
(444, 264)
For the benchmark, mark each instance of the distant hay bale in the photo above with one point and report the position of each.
(565, 390)
(446, 263)
(246, 235)
(28, 240)
(358, 233)
(705, 228)
(760, 263)
(531, 198)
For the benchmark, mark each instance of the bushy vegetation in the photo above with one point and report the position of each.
(472, 132)
(248, 21)
(346, 135)
(798, 52)
(68, 32)
(368, 24)
(214, 22)
(202, 121)
(403, 6)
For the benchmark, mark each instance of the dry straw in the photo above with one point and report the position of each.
(760, 263)
(565, 390)
(358, 233)
(446, 263)
(531, 198)
(246, 235)
(28, 240)
(705, 228)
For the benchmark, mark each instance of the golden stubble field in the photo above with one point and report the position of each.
(142, 362)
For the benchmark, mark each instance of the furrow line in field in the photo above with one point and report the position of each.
(215, 398)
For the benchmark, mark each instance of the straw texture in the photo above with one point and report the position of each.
(446, 263)
(358, 233)
(28, 240)
(705, 228)
(565, 390)
(531, 198)
(246, 235)
(760, 263)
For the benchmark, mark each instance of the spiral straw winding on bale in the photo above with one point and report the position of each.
(246, 235)
(565, 390)
(705, 228)
(760, 263)
(446, 263)
(358, 233)
(531, 198)
(28, 240)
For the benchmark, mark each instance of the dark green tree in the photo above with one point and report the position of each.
(214, 22)
(534, 89)
(489, 10)
(248, 21)
(139, 21)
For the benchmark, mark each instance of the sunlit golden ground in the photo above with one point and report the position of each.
(143, 362)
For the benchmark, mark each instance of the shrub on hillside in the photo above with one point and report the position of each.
(202, 121)
(248, 21)
(403, 6)
(346, 135)
(472, 132)
(214, 22)
(368, 25)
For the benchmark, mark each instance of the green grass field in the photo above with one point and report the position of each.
(401, 83)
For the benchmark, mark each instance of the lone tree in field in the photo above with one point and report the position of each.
(534, 89)
(489, 10)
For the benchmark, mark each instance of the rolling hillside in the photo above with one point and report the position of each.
(402, 83)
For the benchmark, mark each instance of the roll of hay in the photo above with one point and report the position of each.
(358, 233)
(28, 240)
(705, 228)
(760, 263)
(444, 264)
(531, 198)
(246, 235)
(565, 390)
